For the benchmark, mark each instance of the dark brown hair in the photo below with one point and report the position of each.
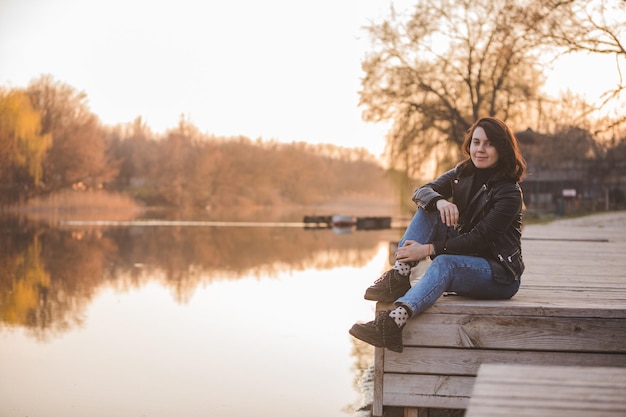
(511, 163)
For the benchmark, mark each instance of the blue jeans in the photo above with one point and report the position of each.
(468, 276)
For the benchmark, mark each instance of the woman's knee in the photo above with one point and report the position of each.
(444, 261)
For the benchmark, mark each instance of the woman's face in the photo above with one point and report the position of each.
(482, 152)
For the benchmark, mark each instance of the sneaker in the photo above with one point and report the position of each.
(389, 287)
(381, 332)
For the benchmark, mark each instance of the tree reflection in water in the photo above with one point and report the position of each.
(49, 275)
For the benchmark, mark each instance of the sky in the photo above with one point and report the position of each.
(276, 69)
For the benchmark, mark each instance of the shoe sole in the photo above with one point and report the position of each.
(376, 297)
(355, 332)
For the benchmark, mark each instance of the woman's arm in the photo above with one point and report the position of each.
(427, 195)
(504, 209)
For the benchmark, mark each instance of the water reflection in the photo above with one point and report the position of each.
(183, 321)
(49, 275)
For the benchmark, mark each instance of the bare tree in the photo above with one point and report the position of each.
(78, 154)
(596, 27)
(174, 164)
(448, 63)
(134, 146)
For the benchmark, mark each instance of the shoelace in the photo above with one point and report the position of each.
(384, 276)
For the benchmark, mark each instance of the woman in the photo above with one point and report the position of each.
(474, 240)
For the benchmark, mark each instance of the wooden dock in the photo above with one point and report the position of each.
(570, 311)
(548, 391)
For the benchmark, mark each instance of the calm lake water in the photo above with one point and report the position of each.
(184, 320)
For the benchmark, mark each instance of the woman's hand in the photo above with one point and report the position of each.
(412, 251)
(449, 212)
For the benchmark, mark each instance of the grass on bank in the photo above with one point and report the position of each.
(79, 205)
(73, 201)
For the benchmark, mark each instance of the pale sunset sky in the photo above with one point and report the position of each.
(275, 69)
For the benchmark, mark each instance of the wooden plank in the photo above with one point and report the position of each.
(516, 332)
(570, 269)
(603, 262)
(513, 411)
(514, 390)
(429, 391)
(556, 395)
(534, 302)
(524, 305)
(379, 368)
(607, 288)
(411, 412)
(570, 375)
(416, 412)
(451, 361)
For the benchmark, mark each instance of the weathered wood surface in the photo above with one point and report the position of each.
(548, 391)
(466, 362)
(570, 310)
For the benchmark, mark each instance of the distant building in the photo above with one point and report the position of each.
(566, 173)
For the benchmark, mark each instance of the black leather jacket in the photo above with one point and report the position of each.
(490, 221)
